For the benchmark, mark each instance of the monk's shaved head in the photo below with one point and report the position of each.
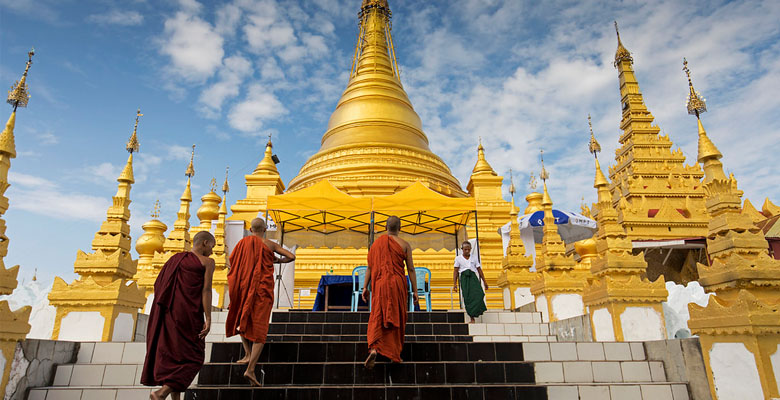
(258, 225)
(202, 237)
(393, 224)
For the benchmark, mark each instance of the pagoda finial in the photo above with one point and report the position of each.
(155, 209)
(695, 103)
(622, 54)
(532, 182)
(132, 144)
(213, 185)
(544, 175)
(546, 201)
(267, 163)
(191, 168)
(594, 147)
(482, 165)
(18, 95)
(225, 187)
(512, 189)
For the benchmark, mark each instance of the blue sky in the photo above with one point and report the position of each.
(225, 74)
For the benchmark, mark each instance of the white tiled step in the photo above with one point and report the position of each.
(599, 372)
(650, 391)
(510, 329)
(506, 317)
(125, 353)
(584, 351)
(87, 393)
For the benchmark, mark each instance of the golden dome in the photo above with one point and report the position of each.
(374, 144)
(586, 248)
(153, 238)
(534, 200)
(209, 211)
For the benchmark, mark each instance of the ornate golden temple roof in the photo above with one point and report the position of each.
(374, 144)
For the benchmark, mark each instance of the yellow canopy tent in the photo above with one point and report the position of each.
(322, 215)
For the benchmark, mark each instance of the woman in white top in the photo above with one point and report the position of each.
(467, 268)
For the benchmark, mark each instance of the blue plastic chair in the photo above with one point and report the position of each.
(358, 279)
(423, 288)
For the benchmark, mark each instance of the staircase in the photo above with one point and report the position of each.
(318, 355)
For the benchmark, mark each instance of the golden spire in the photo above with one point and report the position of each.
(191, 168)
(482, 165)
(213, 185)
(546, 201)
(512, 191)
(709, 155)
(375, 126)
(18, 96)
(621, 54)
(594, 147)
(267, 164)
(601, 183)
(225, 187)
(132, 144)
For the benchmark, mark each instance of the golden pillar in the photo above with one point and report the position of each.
(179, 238)
(621, 303)
(220, 255)
(516, 277)
(146, 245)
(559, 284)
(264, 181)
(491, 214)
(104, 299)
(13, 324)
(739, 329)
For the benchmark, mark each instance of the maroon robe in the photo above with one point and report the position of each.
(174, 353)
(251, 289)
(387, 322)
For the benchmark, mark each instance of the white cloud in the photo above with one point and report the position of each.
(235, 70)
(48, 138)
(195, 49)
(177, 152)
(117, 17)
(41, 196)
(258, 107)
(228, 18)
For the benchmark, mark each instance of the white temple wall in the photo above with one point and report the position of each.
(523, 296)
(734, 372)
(541, 306)
(603, 330)
(676, 307)
(567, 305)
(123, 328)
(775, 360)
(84, 326)
(507, 299)
(641, 324)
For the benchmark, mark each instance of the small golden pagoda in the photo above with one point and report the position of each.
(220, 255)
(146, 245)
(13, 324)
(264, 181)
(491, 212)
(104, 301)
(374, 144)
(179, 238)
(209, 210)
(622, 304)
(558, 287)
(516, 277)
(657, 196)
(739, 329)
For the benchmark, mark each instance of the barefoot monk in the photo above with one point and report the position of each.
(251, 289)
(179, 320)
(385, 276)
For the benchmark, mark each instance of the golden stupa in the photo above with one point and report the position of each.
(374, 144)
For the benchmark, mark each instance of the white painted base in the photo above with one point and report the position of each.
(507, 299)
(523, 296)
(2, 362)
(149, 302)
(123, 328)
(567, 306)
(541, 306)
(642, 324)
(603, 329)
(775, 360)
(215, 298)
(82, 326)
(734, 372)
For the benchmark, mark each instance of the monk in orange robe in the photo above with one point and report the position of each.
(179, 320)
(389, 300)
(251, 289)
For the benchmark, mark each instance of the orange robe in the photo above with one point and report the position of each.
(387, 323)
(251, 289)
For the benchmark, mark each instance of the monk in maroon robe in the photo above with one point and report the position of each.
(251, 289)
(179, 320)
(389, 300)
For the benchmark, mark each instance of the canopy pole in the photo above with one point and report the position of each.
(476, 229)
(281, 266)
(371, 231)
(456, 241)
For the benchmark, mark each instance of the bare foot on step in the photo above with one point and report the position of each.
(244, 360)
(371, 360)
(250, 376)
